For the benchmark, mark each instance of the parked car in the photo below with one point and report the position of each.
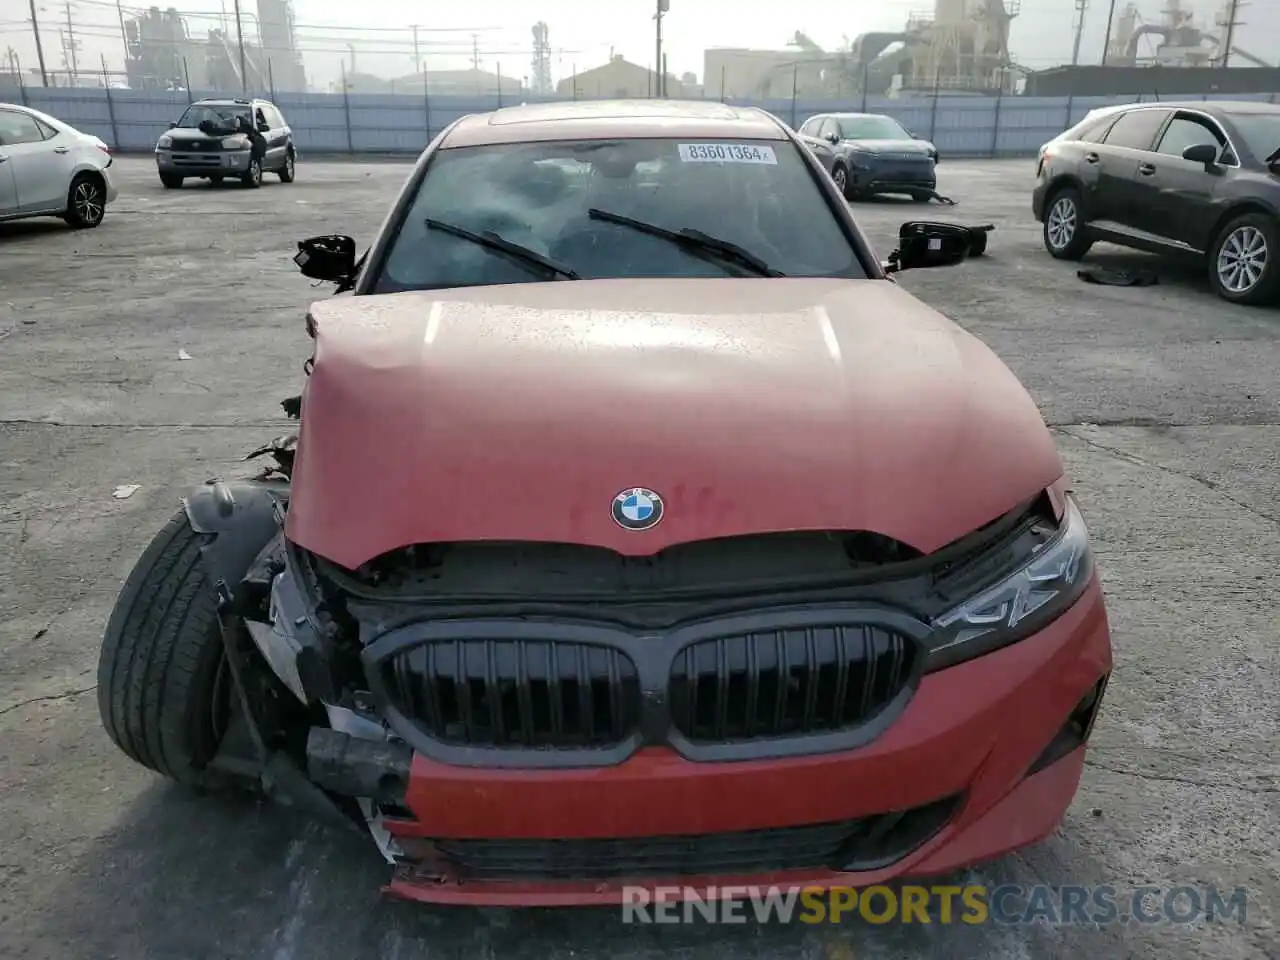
(868, 154)
(634, 533)
(50, 169)
(219, 139)
(1199, 178)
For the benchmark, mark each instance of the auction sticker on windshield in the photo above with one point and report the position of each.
(727, 153)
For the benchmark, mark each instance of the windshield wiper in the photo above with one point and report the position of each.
(692, 240)
(514, 251)
(1275, 157)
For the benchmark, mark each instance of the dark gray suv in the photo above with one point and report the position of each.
(227, 138)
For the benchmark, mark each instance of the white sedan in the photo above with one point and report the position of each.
(50, 169)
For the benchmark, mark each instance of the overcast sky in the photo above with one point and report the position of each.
(582, 34)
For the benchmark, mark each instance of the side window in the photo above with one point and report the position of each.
(810, 127)
(1137, 129)
(1186, 131)
(16, 128)
(278, 118)
(830, 127)
(260, 116)
(46, 131)
(1093, 131)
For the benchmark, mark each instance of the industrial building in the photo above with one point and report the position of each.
(619, 78)
(458, 83)
(961, 47)
(1172, 57)
(162, 54)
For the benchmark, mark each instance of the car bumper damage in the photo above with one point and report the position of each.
(497, 761)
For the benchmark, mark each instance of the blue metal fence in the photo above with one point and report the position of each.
(132, 120)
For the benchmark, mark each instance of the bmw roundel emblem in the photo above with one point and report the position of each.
(637, 509)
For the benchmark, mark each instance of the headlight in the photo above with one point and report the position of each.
(237, 142)
(165, 142)
(1034, 594)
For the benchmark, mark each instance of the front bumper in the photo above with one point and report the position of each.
(989, 732)
(878, 177)
(1038, 197)
(203, 163)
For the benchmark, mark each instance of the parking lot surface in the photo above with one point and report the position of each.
(154, 351)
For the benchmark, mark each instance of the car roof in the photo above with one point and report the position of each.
(231, 101)
(607, 119)
(1203, 106)
(856, 116)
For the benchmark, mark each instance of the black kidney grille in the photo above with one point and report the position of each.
(866, 843)
(517, 692)
(787, 682)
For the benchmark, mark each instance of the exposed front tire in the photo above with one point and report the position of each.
(288, 171)
(252, 178)
(86, 202)
(171, 181)
(165, 691)
(1244, 262)
(1065, 236)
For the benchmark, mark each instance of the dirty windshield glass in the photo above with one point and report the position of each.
(760, 197)
(220, 115)
(872, 128)
(1261, 132)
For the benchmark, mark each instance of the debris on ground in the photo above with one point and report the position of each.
(1109, 277)
(183, 355)
(126, 490)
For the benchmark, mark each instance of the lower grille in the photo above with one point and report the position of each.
(787, 682)
(516, 692)
(864, 844)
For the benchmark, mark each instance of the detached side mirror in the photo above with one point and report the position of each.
(924, 244)
(331, 258)
(1205, 153)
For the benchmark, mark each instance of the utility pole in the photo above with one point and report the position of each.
(1233, 18)
(1106, 43)
(124, 34)
(71, 64)
(417, 60)
(244, 77)
(35, 30)
(661, 84)
(475, 52)
(1081, 7)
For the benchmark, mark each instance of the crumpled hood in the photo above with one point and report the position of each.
(891, 146)
(519, 412)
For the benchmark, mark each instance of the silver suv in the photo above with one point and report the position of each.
(220, 138)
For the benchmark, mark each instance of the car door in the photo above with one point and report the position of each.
(276, 136)
(1127, 147)
(8, 186)
(809, 135)
(40, 160)
(1179, 193)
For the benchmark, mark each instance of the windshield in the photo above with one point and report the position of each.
(872, 128)
(221, 115)
(563, 202)
(1261, 132)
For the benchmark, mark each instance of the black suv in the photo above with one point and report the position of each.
(1198, 178)
(217, 139)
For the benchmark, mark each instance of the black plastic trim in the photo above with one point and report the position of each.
(653, 654)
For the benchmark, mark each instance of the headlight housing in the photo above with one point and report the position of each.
(1036, 592)
(165, 142)
(236, 142)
